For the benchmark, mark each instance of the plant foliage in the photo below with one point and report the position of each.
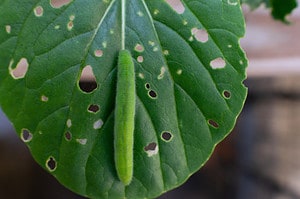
(189, 71)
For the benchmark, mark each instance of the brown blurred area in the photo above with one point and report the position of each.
(259, 159)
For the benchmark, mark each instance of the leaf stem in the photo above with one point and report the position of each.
(123, 23)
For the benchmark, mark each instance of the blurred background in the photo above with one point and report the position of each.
(259, 159)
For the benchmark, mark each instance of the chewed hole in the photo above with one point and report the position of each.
(141, 75)
(139, 48)
(213, 123)
(44, 98)
(26, 135)
(104, 44)
(227, 94)
(70, 25)
(151, 43)
(81, 141)
(98, 53)
(176, 5)
(156, 12)
(152, 94)
(166, 136)
(20, 70)
(179, 71)
(147, 86)
(140, 13)
(69, 123)
(162, 73)
(140, 59)
(185, 22)
(200, 35)
(51, 164)
(87, 82)
(8, 29)
(38, 11)
(218, 63)
(72, 17)
(151, 149)
(59, 3)
(166, 52)
(68, 136)
(98, 124)
(93, 108)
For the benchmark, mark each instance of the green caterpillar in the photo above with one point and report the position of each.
(124, 117)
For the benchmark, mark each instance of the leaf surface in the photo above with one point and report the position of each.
(189, 71)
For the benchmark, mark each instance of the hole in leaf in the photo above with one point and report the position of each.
(81, 141)
(69, 123)
(38, 11)
(166, 52)
(176, 5)
(140, 59)
(218, 63)
(141, 75)
(8, 29)
(151, 43)
(87, 87)
(72, 17)
(59, 3)
(227, 94)
(179, 72)
(98, 124)
(140, 13)
(93, 108)
(51, 164)
(104, 44)
(26, 135)
(152, 94)
(147, 86)
(151, 149)
(156, 12)
(166, 136)
(87, 81)
(162, 73)
(20, 70)
(68, 136)
(139, 48)
(213, 123)
(185, 22)
(98, 53)
(44, 98)
(200, 35)
(70, 25)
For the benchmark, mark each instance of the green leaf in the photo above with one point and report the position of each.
(189, 72)
(280, 8)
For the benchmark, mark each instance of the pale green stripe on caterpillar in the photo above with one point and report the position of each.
(124, 117)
